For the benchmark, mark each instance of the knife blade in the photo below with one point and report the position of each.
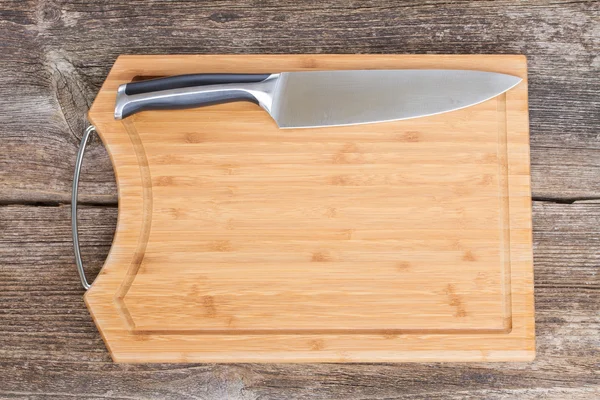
(323, 98)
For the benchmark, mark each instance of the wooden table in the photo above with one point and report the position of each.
(54, 57)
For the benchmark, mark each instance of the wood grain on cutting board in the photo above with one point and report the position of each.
(238, 241)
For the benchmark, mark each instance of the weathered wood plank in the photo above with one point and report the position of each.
(567, 239)
(565, 174)
(57, 54)
(48, 343)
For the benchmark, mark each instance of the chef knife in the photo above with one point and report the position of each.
(322, 98)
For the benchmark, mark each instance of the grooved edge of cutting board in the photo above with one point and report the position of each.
(136, 337)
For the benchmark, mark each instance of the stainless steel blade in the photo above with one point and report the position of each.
(330, 98)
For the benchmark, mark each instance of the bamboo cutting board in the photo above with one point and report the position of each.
(240, 242)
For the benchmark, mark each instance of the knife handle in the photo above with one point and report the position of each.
(181, 81)
(195, 96)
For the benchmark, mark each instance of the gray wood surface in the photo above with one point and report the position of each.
(54, 57)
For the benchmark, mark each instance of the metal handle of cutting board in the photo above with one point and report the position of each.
(86, 135)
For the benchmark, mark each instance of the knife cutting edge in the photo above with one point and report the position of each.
(322, 98)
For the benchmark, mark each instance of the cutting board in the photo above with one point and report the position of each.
(240, 242)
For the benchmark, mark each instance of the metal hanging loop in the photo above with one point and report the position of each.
(86, 135)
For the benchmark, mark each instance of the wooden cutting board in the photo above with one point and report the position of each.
(240, 242)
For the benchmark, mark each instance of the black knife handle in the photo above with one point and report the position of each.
(182, 81)
(260, 92)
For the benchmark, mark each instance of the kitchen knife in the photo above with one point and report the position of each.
(322, 98)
